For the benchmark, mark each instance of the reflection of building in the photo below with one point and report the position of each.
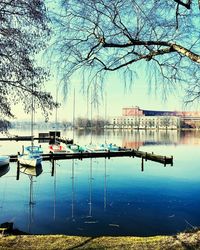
(137, 138)
(137, 118)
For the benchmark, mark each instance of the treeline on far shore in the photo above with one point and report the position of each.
(98, 124)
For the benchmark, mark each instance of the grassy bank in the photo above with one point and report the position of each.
(180, 241)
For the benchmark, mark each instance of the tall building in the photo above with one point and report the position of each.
(136, 118)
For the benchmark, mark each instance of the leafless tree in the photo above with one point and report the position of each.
(23, 33)
(101, 36)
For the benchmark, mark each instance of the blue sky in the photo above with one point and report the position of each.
(118, 96)
(140, 93)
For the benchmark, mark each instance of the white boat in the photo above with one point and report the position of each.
(4, 160)
(31, 156)
(95, 148)
(32, 160)
(111, 147)
(58, 149)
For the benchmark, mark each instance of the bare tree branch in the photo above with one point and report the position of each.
(120, 35)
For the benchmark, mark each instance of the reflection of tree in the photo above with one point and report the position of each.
(166, 122)
(137, 123)
(151, 123)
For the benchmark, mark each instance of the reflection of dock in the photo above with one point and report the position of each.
(123, 153)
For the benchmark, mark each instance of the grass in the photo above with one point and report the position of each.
(187, 240)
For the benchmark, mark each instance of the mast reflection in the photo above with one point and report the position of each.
(31, 172)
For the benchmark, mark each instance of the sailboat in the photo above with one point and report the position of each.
(32, 154)
(55, 147)
(93, 147)
(74, 148)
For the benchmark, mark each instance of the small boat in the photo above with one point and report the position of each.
(31, 157)
(4, 160)
(58, 149)
(74, 148)
(4, 169)
(34, 149)
(111, 147)
(95, 148)
(30, 160)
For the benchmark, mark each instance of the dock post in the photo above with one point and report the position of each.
(81, 157)
(146, 156)
(109, 154)
(142, 165)
(172, 160)
(53, 167)
(164, 161)
(17, 177)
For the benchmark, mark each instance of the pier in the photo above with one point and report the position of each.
(122, 153)
(54, 136)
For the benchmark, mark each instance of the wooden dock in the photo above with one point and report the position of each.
(45, 137)
(123, 153)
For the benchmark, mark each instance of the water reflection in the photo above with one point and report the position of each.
(73, 190)
(31, 172)
(137, 138)
(109, 197)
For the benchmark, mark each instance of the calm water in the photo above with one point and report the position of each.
(108, 197)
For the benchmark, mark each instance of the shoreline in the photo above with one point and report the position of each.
(184, 240)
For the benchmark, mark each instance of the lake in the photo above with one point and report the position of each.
(96, 197)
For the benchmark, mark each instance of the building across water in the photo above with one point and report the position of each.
(136, 118)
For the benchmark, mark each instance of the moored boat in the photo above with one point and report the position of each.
(74, 148)
(31, 160)
(4, 160)
(95, 148)
(4, 169)
(111, 147)
(31, 157)
(58, 149)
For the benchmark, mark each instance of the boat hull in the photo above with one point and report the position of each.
(28, 160)
(4, 161)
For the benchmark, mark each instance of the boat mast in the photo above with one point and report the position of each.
(56, 116)
(32, 107)
(54, 201)
(105, 123)
(91, 117)
(90, 188)
(73, 193)
(105, 186)
(73, 115)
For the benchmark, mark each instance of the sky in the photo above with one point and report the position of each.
(117, 97)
